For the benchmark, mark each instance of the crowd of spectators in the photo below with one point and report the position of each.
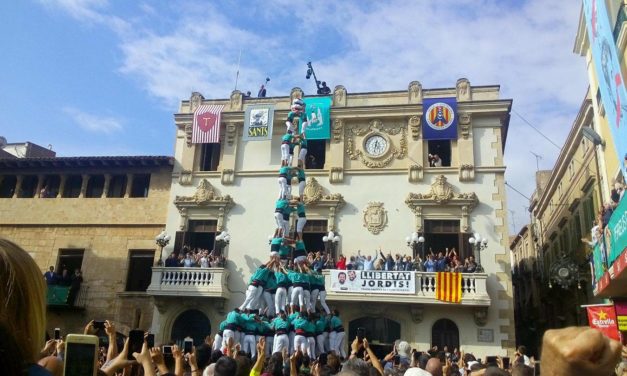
(604, 214)
(194, 258)
(445, 261)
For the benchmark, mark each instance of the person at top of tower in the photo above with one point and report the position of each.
(297, 113)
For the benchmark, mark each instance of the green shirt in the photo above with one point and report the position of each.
(276, 241)
(321, 324)
(296, 277)
(233, 318)
(310, 327)
(300, 246)
(223, 325)
(300, 323)
(261, 274)
(285, 170)
(300, 209)
(301, 174)
(281, 204)
(336, 322)
(281, 278)
(284, 250)
(249, 324)
(270, 282)
(280, 324)
(287, 138)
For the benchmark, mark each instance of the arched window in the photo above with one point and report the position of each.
(191, 323)
(380, 332)
(445, 333)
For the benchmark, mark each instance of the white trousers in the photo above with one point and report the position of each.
(228, 333)
(301, 188)
(322, 295)
(321, 340)
(284, 189)
(291, 338)
(290, 290)
(312, 347)
(306, 299)
(313, 299)
(300, 224)
(252, 296)
(285, 152)
(281, 341)
(337, 343)
(269, 346)
(217, 342)
(239, 337)
(297, 296)
(281, 223)
(300, 343)
(250, 346)
(302, 154)
(269, 300)
(280, 300)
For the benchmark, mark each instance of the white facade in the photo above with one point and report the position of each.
(248, 174)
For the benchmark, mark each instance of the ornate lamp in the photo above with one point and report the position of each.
(162, 240)
(478, 244)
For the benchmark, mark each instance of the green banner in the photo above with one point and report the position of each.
(598, 261)
(616, 230)
(57, 295)
(318, 111)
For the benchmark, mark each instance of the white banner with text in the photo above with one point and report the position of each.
(373, 281)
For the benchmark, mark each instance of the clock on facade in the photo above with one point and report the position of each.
(376, 145)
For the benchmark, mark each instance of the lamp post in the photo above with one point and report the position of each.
(478, 244)
(222, 240)
(416, 242)
(310, 72)
(330, 241)
(564, 273)
(162, 240)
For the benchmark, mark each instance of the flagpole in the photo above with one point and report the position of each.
(237, 74)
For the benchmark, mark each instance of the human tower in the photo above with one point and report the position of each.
(282, 296)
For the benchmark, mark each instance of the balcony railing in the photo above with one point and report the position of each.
(191, 282)
(474, 291)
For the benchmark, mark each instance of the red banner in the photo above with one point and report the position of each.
(603, 319)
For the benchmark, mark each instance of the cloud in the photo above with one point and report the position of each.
(94, 123)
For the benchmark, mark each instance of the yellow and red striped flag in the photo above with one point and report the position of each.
(448, 287)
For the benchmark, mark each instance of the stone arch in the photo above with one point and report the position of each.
(381, 332)
(445, 332)
(190, 323)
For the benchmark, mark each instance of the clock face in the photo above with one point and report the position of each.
(376, 145)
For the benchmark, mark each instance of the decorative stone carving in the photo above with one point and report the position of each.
(415, 92)
(376, 125)
(295, 93)
(418, 213)
(204, 195)
(414, 126)
(188, 134)
(463, 90)
(185, 177)
(228, 176)
(375, 217)
(466, 172)
(417, 312)
(236, 101)
(336, 130)
(339, 96)
(465, 223)
(313, 191)
(464, 125)
(231, 132)
(415, 173)
(195, 101)
(336, 175)
(183, 222)
(481, 316)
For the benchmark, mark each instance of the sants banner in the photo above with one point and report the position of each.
(373, 281)
(258, 123)
(439, 121)
(603, 319)
(318, 110)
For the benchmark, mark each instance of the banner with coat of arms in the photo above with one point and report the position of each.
(318, 110)
(258, 123)
(439, 121)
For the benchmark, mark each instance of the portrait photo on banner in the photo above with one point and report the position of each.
(258, 121)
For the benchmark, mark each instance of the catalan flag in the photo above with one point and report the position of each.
(448, 287)
(206, 125)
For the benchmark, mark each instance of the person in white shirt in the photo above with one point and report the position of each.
(368, 261)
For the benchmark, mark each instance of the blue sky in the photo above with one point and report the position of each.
(103, 77)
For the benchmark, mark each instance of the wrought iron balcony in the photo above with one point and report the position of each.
(473, 286)
(189, 282)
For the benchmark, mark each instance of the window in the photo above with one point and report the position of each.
(139, 269)
(141, 183)
(95, 186)
(316, 154)
(571, 169)
(51, 186)
(29, 185)
(73, 185)
(7, 186)
(442, 234)
(70, 259)
(201, 234)
(209, 157)
(441, 149)
(312, 235)
(117, 186)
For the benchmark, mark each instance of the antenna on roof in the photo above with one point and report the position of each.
(538, 157)
(3, 142)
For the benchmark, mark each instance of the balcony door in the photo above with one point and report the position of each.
(380, 332)
(445, 333)
(312, 235)
(191, 323)
(442, 234)
(201, 234)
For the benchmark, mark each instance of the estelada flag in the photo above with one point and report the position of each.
(603, 319)
(448, 287)
(206, 126)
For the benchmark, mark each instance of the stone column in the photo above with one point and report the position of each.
(18, 185)
(105, 188)
(40, 183)
(84, 183)
(129, 185)
(62, 180)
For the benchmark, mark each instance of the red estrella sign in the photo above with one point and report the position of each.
(603, 319)
(206, 121)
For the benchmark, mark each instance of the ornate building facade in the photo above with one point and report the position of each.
(96, 214)
(369, 199)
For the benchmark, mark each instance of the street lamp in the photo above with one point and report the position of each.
(415, 242)
(311, 72)
(478, 244)
(330, 241)
(222, 240)
(564, 273)
(162, 240)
